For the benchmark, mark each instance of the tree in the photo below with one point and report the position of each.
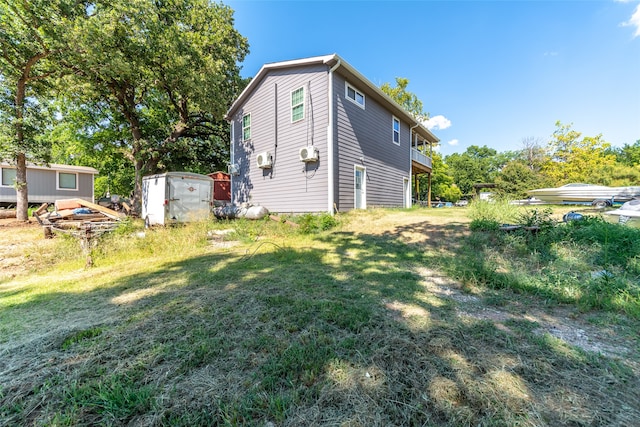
(628, 154)
(517, 177)
(88, 136)
(443, 187)
(407, 100)
(573, 158)
(476, 165)
(533, 153)
(169, 69)
(29, 34)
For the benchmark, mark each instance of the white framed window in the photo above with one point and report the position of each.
(396, 131)
(246, 127)
(354, 95)
(297, 105)
(67, 181)
(8, 177)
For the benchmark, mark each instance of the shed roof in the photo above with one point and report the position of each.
(350, 72)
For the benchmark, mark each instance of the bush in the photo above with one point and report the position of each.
(310, 223)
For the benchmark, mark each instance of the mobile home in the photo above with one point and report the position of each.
(46, 184)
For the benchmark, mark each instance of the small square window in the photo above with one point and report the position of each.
(297, 105)
(396, 131)
(354, 95)
(67, 181)
(8, 177)
(246, 127)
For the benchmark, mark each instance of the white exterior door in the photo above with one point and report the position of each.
(406, 186)
(360, 190)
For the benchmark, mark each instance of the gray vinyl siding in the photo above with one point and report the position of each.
(42, 187)
(290, 185)
(364, 138)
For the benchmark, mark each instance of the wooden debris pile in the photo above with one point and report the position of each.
(78, 217)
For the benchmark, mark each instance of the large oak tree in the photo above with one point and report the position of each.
(167, 68)
(30, 33)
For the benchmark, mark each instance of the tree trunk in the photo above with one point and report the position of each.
(137, 189)
(22, 204)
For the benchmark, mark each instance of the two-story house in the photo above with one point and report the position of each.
(314, 135)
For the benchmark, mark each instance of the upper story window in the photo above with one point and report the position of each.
(67, 181)
(354, 95)
(297, 105)
(8, 177)
(246, 127)
(396, 131)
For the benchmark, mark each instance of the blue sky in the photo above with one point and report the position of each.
(488, 72)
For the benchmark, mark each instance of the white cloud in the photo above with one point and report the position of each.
(437, 122)
(453, 142)
(634, 21)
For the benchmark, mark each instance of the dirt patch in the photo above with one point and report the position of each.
(558, 321)
(20, 241)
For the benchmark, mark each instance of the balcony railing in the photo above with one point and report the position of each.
(421, 158)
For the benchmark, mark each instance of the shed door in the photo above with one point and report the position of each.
(360, 188)
(188, 199)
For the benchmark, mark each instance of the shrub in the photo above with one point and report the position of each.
(310, 223)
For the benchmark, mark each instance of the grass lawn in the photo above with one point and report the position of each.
(392, 317)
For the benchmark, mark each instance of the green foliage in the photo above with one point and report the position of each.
(476, 165)
(590, 262)
(628, 154)
(500, 211)
(536, 218)
(113, 399)
(80, 336)
(447, 193)
(408, 100)
(315, 223)
(572, 159)
(516, 178)
(165, 71)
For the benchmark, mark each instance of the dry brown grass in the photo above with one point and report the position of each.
(356, 327)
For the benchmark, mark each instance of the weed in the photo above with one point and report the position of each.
(314, 223)
(80, 336)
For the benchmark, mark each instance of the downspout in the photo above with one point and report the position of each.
(330, 144)
(411, 163)
(231, 156)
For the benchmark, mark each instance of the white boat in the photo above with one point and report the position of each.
(630, 209)
(596, 195)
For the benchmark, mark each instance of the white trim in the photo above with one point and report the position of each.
(1, 172)
(302, 103)
(364, 185)
(243, 127)
(356, 92)
(406, 190)
(330, 143)
(65, 188)
(394, 119)
(232, 156)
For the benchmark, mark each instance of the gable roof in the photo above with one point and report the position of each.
(346, 69)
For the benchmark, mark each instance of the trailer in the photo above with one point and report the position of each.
(175, 197)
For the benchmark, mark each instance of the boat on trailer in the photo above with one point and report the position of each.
(596, 195)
